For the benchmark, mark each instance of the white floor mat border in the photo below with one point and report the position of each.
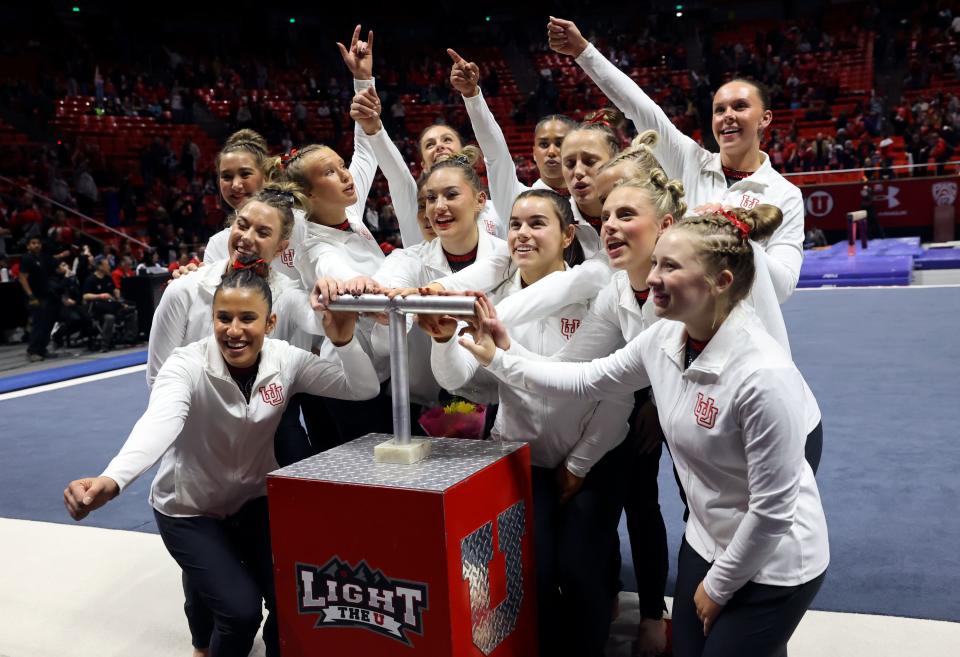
(76, 590)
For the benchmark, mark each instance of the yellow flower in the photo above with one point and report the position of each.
(460, 407)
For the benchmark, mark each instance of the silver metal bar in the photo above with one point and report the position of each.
(433, 304)
(399, 377)
(397, 309)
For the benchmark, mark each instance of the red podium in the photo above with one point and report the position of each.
(434, 558)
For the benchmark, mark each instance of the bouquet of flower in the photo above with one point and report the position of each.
(458, 419)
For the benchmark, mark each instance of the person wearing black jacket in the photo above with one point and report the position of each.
(106, 306)
(73, 316)
(36, 268)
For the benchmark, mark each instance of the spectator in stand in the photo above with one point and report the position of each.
(36, 270)
(124, 270)
(151, 264)
(61, 232)
(107, 307)
(940, 153)
(73, 316)
(398, 115)
(87, 194)
(27, 220)
(371, 218)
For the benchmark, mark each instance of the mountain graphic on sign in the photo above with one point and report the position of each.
(333, 568)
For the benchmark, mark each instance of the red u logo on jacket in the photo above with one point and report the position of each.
(568, 327)
(272, 394)
(705, 411)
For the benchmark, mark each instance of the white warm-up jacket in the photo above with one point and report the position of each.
(577, 433)
(735, 424)
(363, 168)
(215, 448)
(185, 314)
(417, 266)
(702, 174)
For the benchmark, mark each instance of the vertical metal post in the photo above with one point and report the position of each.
(399, 377)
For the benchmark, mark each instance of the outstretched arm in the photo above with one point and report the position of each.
(501, 171)
(366, 110)
(676, 151)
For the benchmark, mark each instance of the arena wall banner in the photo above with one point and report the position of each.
(900, 203)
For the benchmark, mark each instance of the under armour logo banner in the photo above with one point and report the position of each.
(272, 394)
(490, 627)
(705, 411)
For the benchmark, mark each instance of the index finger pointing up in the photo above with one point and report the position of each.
(454, 55)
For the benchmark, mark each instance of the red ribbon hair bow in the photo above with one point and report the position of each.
(260, 267)
(598, 119)
(740, 225)
(287, 157)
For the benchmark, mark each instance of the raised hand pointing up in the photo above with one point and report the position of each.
(464, 75)
(359, 57)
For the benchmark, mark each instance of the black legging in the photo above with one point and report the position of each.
(641, 502)
(575, 545)
(757, 621)
(229, 562)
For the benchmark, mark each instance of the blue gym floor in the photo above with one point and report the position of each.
(882, 363)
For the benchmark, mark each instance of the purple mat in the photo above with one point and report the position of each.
(855, 282)
(891, 246)
(938, 259)
(842, 270)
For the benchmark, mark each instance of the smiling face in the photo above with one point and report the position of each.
(331, 185)
(452, 207)
(241, 320)
(630, 227)
(436, 141)
(679, 283)
(583, 153)
(239, 178)
(547, 142)
(536, 238)
(738, 118)
(256, 233)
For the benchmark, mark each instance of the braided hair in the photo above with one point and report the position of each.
(248, 273)
(605, 121)
(666, 194)
(639, 154)
(464, 160)
(722, 241)
(282, 197)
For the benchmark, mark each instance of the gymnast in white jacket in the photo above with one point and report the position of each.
(453, 199)
(210, 422)
(733, 408)
(576, 497)
(740, 175)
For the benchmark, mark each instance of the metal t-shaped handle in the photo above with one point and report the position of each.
(398, 308)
